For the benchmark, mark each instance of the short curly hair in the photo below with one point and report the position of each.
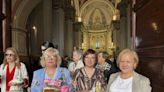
(55, 53)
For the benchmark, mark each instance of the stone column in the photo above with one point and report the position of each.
(19, 40)
(1, 19)
(58, 29)
(47, 19)
(7, 23)
(68, 48)
(1, 34)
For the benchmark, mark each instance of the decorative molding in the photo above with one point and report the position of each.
(96, 31)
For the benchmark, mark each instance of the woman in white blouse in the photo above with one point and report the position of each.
(127, 80)
(14, 76)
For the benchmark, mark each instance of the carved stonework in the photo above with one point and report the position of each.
(98, 40)
(97, 17)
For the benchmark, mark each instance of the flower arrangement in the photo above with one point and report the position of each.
(55, 86)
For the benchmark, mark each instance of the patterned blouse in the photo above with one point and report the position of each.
(108, 68)
(83, 82)
(103, 67)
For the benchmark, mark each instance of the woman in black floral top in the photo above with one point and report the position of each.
(89, 78)
(105, 65)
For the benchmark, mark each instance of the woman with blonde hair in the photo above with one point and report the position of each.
(50, 61)
(13, 73)
(127, 80)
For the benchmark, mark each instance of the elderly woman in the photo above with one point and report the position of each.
(105, 64)
(127, 80)
(77, 61)
(50, 60)
(13, 73)
(89, 78)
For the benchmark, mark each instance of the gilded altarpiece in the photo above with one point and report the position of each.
(97, 34)
(99, 41)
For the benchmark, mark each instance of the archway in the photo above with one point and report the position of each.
(97, 16)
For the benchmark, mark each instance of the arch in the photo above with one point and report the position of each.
(22, 13)
(89, 2)
(88, 13)
(104, 6)
(19, 21)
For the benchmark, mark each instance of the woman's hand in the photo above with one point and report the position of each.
(25, 82)
(11, 83)
(16, 82)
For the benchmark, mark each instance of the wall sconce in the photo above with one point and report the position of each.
(155, 27)
(35, 30)
(78, 25)
(116, 19)
(79, 19)
(116, 15)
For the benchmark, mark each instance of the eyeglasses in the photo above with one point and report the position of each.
(10, 55)
(50, 57)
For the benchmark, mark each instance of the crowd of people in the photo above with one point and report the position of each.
(90, 71)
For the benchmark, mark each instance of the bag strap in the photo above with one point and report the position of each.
(63, 75)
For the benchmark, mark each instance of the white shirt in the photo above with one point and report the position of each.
(121, 85)
(73, 65)
(20, 73)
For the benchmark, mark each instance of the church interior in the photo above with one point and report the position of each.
(103, 25)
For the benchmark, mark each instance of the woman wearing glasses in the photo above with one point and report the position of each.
(51, 71)
(13, 73)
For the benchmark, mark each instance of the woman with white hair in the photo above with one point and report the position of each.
(50, 61)
(77, 61)
(127, 80)
(13, 73)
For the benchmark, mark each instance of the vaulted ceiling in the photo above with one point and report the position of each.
(101, 10)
